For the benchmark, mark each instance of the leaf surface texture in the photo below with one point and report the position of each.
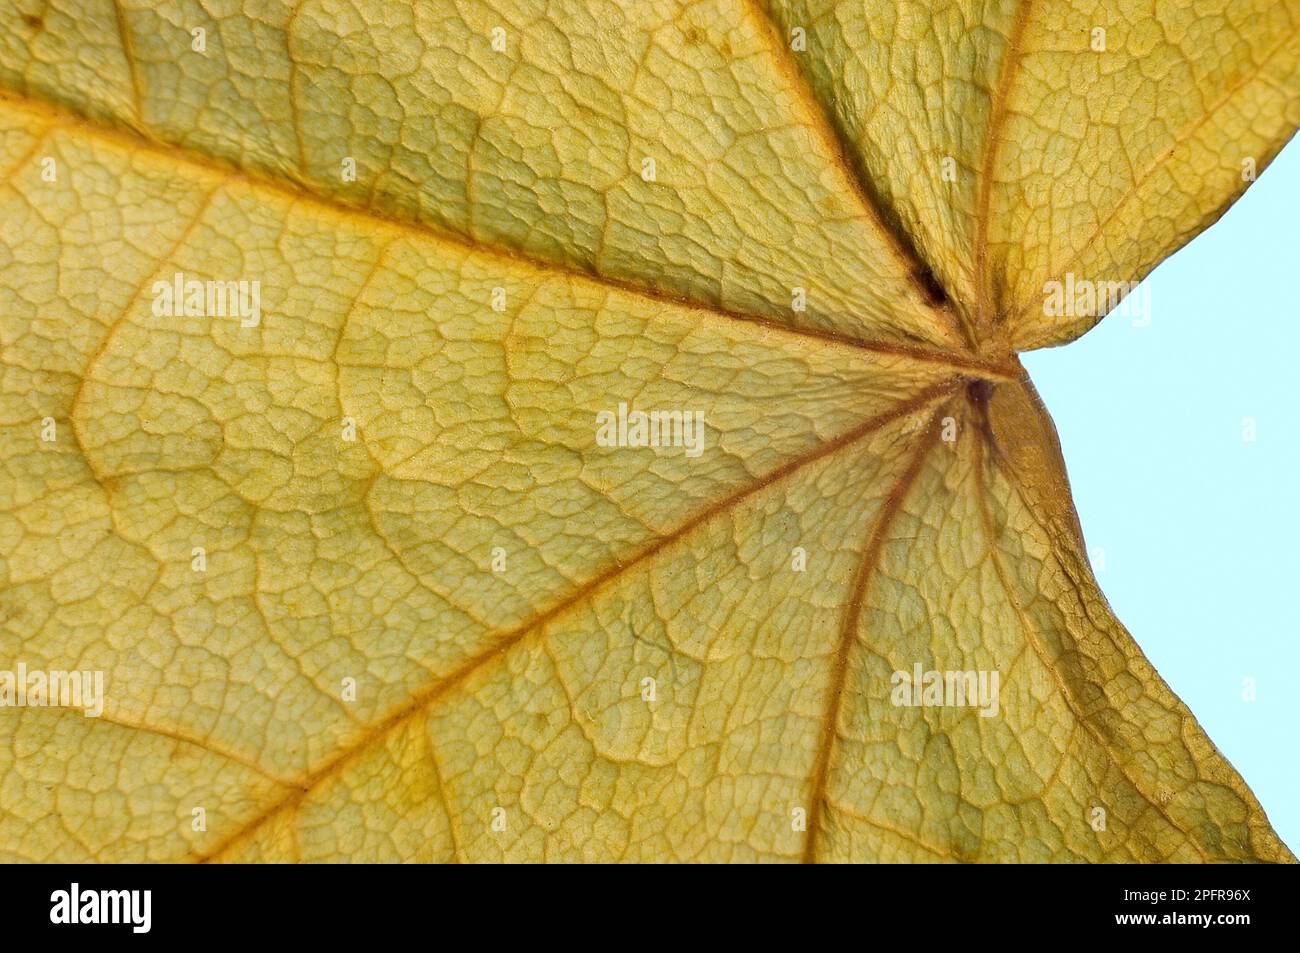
(517, 693)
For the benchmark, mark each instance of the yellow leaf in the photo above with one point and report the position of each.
(325, 327)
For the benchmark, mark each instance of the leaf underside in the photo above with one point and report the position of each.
(496, 584)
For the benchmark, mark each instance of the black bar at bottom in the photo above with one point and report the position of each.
(332, 904)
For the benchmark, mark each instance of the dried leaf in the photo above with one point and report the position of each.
(365, 578)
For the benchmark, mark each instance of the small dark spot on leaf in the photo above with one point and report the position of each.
(35, 22)
(979, 391)
(934, 293)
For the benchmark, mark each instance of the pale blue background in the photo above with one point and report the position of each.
(1201, 531)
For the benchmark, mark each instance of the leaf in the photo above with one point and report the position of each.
(495, 584)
